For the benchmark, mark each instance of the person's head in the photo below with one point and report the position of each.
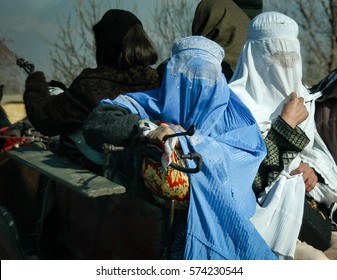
(275, 49)
(121, 41)
(226, 24)
(270, 65)
(193, 88)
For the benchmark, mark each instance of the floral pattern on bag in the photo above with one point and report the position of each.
(167, 183)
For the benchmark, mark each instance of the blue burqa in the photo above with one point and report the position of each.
(195, 92)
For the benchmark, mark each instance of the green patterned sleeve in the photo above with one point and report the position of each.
(283, 143)
(289, 137)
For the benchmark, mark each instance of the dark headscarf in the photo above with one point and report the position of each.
(251, 7)
(225, 23)
(109, 34)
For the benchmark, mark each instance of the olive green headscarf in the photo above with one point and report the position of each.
(225, 23)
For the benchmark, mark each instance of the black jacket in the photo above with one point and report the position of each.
(66, 112)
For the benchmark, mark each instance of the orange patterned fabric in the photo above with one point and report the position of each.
(167, 184)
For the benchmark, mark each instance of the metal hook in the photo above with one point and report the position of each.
(189, 132)
(148, 150)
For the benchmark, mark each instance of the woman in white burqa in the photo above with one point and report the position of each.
(268, 79)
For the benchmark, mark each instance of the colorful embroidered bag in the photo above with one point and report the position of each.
(167, 184)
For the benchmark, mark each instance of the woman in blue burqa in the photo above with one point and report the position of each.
(195, 92)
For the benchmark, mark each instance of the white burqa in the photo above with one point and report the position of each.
(269, 69)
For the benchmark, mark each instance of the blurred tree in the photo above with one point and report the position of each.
(74, 49)
(318, 34)
(11, 76)
(170, 20)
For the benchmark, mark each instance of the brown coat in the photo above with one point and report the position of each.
(67, 111)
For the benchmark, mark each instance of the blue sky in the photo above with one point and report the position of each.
(23, 23)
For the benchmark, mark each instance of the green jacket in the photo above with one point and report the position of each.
(283, 143)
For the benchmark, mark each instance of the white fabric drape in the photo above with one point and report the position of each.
(269, 69)
(274, 217)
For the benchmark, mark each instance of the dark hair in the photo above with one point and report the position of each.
(137, 49)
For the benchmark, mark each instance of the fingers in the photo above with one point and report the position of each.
(295, 172)
(310, 183)
(294, 111)
(156, 136)
(293, 95)
(301, 100)
(179, 127)
(310, 179)
(309, 175)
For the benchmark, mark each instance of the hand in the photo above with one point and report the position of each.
(156, 136)
(294, 111)
(36, 79)
(309, 175)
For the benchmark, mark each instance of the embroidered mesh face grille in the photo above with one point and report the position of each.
(285, 59)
